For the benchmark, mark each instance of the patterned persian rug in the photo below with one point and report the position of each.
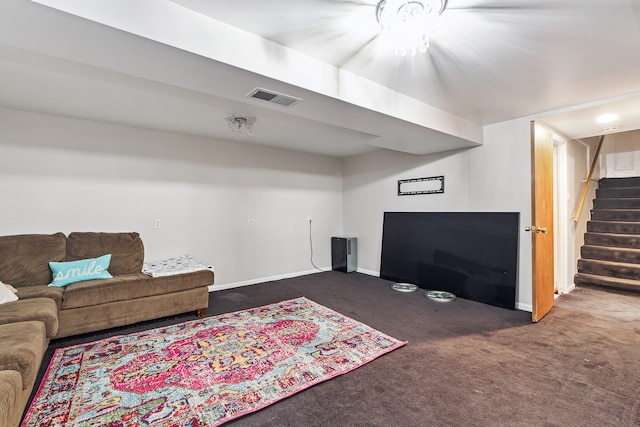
(203, 372)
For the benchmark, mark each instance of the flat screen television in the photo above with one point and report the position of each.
(473, 255)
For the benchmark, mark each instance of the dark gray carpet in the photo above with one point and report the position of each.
(466, 364)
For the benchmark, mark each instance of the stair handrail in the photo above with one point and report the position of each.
(585, 189)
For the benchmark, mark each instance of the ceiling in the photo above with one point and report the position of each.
(185, 65)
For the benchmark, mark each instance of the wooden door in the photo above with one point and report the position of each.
(542, 220)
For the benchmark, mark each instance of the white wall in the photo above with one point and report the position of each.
(493, 177)
(579, 160)
(620, 155)
(500, 180)
(371, 188)
(60, 174)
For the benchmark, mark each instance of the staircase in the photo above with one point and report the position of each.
(610, 257)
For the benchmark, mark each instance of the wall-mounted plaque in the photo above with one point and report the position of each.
(430, 185)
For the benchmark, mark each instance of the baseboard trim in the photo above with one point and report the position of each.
(569, 289)
(524, 307)
(368, 272)
(213, 288)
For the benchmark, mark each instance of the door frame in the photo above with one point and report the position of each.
(562, 219)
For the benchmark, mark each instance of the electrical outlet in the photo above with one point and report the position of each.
(251, 221)
(309, 218)
(157, 224)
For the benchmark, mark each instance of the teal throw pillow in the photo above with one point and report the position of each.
(65, 273)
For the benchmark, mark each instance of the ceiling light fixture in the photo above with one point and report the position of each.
(409, 22)
(607, 118)
(240, 126)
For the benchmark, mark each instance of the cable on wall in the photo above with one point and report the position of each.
(311, 247)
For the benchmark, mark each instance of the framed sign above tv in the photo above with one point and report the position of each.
(430, 185)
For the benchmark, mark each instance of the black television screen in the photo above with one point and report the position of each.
(473, 255)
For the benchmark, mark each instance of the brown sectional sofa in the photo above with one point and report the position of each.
(43, 313)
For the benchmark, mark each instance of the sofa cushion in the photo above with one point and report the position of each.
(24, 258)
(44, 310)
(23, 346)
(65, 273)
(130, 286)
(10, 389)
(126, 249)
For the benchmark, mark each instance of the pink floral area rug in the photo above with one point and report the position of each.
(203, 372)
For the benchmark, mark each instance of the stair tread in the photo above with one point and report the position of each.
(629, 195)
(618, 227)
(612, 234)
(621, 182)
(610, 279)
(613, 221)
(614, 248)
(617, 209)
(612, 263)
(618, 198)
(610, 211)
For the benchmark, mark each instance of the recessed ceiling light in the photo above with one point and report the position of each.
(607, 118)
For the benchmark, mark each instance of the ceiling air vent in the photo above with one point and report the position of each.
(273, 97)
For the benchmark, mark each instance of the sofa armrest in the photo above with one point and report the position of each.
(51, 292)
(23, 346)
(10, 391)
(44, 310)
